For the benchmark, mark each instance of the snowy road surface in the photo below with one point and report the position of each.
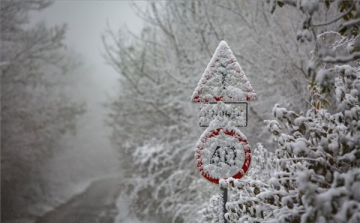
(95, 205)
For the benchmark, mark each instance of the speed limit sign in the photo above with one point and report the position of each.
(223, 153)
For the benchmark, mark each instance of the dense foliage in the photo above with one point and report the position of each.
(315, 172)
(155, 126)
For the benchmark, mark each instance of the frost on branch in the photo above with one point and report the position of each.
(314, 175)
(319, 155)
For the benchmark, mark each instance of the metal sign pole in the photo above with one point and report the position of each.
(224, 194)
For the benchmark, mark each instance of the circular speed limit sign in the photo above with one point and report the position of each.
(223, 153)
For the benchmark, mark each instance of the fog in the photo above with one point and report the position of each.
(84, 154)
(96, 82)
(100, 105)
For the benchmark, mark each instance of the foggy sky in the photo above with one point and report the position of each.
(86, 21)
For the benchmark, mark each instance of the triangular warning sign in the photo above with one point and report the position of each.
(223, 80)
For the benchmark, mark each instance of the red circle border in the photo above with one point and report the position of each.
(233, 133)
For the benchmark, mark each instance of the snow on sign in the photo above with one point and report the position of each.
(223, 80)
(235, 112)
(223, 153)
(223, 91)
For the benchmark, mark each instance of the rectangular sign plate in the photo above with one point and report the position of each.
(237, 113)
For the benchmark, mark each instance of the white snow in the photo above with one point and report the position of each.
(223, 79)
(309, 6)
(221, 150)
(235, 113)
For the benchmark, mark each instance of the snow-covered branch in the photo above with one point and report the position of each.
(342, 59)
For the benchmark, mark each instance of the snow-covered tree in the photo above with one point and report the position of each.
(319, 156)
(159, 69)
(316, 171)
(34, 115)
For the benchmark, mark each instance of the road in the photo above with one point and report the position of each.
(95, 205)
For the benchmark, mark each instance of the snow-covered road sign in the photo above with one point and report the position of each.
(223, 153)
(234, 112)
(223, 91)
(223, 80)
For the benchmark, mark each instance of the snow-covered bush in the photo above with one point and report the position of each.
(319, 156)
(314, 175)
(316, 168)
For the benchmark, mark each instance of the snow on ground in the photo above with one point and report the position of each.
(124, 215)
(63, 196)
